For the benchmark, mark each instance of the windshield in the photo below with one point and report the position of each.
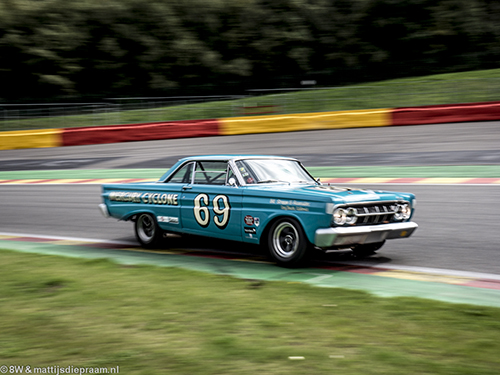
(260, 171)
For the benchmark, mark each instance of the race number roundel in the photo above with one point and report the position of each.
(221, 208)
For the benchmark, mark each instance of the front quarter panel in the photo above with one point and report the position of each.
(261, 207)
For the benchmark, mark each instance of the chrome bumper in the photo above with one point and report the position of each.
(347, 236)
(104, 210)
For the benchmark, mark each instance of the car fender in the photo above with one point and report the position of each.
(309, 229)
(130, 214)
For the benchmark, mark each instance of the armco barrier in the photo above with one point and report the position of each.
(439, 114)
(30, 139)
(139, 132)
(305, 121)
(251, 124)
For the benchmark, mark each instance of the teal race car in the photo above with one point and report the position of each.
(268, 200)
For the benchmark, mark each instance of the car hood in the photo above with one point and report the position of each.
(337, 194)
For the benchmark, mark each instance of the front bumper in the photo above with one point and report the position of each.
(349, 236)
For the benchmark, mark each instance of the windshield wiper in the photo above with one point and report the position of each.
(270, 181)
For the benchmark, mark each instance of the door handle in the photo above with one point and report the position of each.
(187, 187)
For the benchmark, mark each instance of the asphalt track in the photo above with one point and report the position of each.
(458, 224)
(458, 228)
(444, 144)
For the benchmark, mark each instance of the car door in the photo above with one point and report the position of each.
(209, 206)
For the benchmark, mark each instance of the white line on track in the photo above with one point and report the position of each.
(428, 270)
(61, 238)
(434, 271)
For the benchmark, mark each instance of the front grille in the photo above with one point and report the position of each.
(373, 213)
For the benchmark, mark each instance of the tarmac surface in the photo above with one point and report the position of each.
(452, 257)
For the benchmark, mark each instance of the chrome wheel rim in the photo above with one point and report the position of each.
(285, 240)
(146, 228)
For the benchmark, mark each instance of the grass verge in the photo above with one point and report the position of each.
(448, 171)
(148, 320)
(464, 87)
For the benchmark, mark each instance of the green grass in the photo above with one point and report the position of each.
(148, 320)
(153, 173)
(428, 171)
(447, 171)
(476, 86)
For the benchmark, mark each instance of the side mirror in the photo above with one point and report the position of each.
(232, 182)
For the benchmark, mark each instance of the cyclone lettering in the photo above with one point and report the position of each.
(146, 198)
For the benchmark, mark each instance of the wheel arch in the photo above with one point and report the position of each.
(132, 216)
(265, 232)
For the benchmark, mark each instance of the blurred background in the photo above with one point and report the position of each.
(64, 57)
(90, 48)
(70, 63)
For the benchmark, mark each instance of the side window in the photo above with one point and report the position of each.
(183, 175)
(210, 173)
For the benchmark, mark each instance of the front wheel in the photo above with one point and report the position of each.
(287, 243)
(147, 231)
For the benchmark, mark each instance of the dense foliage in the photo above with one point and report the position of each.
(50, 48)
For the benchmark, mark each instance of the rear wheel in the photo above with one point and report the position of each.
(147, 231)
(287, 243)
(362, 251)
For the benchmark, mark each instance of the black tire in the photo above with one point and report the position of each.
(147, 231)
(287, 243)
(362, 251)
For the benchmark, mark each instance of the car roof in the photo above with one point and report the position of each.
(225, 157)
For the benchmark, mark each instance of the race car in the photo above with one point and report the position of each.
(272, 201)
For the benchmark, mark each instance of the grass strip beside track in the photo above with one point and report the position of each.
(375, 282)
(83, 173)
(152, 320)
(470, 171)
(446, 171)
(463, 87)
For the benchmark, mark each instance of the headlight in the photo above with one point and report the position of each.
(351, 216)
(339, 216)
(403, 212)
